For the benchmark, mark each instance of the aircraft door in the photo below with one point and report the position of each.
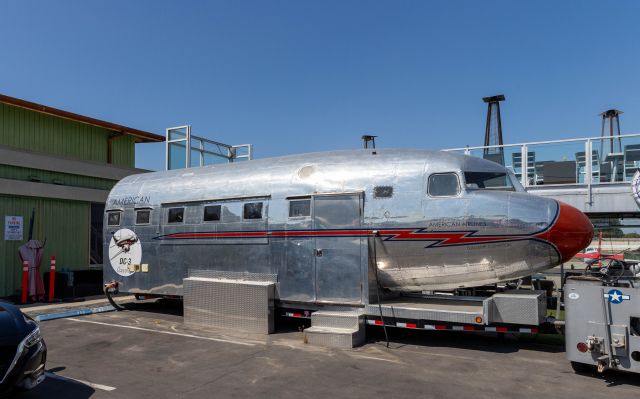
(297, 279)
(338, 266)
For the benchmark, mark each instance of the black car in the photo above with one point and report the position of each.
(22, 350)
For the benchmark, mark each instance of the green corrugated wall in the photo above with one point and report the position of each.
(30, 130)
(65, 226)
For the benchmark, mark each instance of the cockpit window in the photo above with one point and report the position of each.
(443, 185)
(488, 181)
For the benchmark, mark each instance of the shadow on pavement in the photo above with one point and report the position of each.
(53, 389)
(617, 378)
(485, 342)
(160, 305)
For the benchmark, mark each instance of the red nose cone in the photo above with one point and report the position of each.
(571, 233)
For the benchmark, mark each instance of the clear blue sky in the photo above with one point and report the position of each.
(298, 76)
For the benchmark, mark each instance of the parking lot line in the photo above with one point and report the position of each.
(76, 381)
(228, 341)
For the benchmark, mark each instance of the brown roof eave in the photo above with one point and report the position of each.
(140, 135)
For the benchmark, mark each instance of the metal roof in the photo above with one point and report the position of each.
(140, 135)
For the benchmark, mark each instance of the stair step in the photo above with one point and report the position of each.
(331, 330)
(338, 319)
(344, 338)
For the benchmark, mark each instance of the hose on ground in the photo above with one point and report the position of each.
(109, 290)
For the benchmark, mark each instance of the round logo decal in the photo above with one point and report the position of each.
(124, 251)
(635, 187)
(574, 295)
(616, 296)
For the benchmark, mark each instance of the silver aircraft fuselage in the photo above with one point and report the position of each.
(428, 220)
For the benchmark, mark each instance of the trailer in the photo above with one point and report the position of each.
(520, 311)
(603, 322)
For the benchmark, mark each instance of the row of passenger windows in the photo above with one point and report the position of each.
(213, 213)
(439, 185)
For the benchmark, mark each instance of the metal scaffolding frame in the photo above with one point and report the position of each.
(185, 150)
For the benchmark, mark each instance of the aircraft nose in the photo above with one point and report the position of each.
(571, 233)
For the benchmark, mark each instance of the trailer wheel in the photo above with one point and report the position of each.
(582, 368)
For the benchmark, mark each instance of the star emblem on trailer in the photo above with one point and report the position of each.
(616, 296)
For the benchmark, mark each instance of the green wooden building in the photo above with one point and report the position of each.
(62, 165)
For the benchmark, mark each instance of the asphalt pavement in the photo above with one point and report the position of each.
(149, 353)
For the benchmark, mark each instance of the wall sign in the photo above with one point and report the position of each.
(13, 228)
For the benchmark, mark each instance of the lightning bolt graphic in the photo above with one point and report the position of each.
(439, 238)
(445, 238)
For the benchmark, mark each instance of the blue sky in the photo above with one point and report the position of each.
(299, 76)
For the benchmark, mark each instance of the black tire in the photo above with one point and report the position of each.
(582, 368)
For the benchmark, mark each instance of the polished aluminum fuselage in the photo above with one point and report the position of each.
(418, 242)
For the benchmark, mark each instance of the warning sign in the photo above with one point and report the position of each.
(13, 228)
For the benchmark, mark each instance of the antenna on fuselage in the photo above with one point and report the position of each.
(369, 141)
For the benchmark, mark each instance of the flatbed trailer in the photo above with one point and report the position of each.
(514, 311)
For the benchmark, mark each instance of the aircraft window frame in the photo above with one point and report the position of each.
(141, 211)
(429, 185)
(251, 217)
(109, 214)
(181, 217)
(307, 200)
(219, 214)
(478, 175)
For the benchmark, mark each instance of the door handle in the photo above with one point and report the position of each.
(318, 252)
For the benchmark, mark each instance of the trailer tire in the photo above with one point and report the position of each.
(582, 368)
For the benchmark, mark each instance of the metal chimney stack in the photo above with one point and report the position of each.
(493, 130)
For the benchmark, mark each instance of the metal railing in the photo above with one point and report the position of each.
(184, 150)
(581, 161)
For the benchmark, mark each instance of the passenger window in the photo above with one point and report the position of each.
(176, 215)
(113, 219)
(143, 216)
(382, 192)
(298, 208)
(212, 213)
(252, 210)
(443, 185)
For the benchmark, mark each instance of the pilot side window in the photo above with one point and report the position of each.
(299, 208)
(212, 213)
(176, 215)
(143, 216)
(488, 181)
(443, 185)
(113, 218)
(252, 210)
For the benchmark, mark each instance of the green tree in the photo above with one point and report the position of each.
(609, 227)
